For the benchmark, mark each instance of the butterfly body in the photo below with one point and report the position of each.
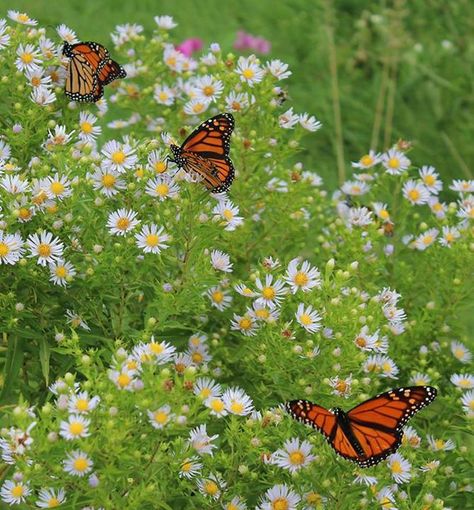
(371, 431)
(90, 69)
(205, 153)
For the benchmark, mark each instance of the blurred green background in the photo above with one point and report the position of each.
(372, 72)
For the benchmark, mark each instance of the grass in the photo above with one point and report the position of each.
(372, 72)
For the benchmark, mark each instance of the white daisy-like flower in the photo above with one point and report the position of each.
(76, 426)
(164, 94)
(366, 341)
(157, 161)
(51, 498)
(5, 151)
(430, 179)
(237, 402)
(289, 119)
(14, 185)
(190, 467)
(161, 417)
(212, 486)
(359, 216)
(382, 365)
(399, 467)
(58, 137)
(123, 379)
(420, 379)
(245, 291)
(220, 298)
(467, 401)
(278, 69)
(28, 57)
(119, 156)
(205, 388)
(208, 88)
(381, 211)
(302, 278)
(246, 324)
(411, 437)
(355, 188)
(462, 186)
(279, 496)
(201, 441)
(122, 221)
(437, 208)
(363, 479)
(75, 320)
(393, 314)
(386, 499)
(47, 47)
(308, 318)
(216, 406)
(4, 37)
(78, 463)
(264, 313)
(46, 247)
(341, 387)
(81, 403)
(58, 187)
(235, 504)
(448, 236)
(430, 466)
(11, 248)
(236, 101)
(226, 213)
(22, 18)
(463, 381)
(14, 493)
(395, 162)
(152, 238)
(165, 22)
(162, 187)
(309, 122)
(440, 444)
(270, 292)
(461, 352)
(196, 106)
(61, 272)
(415, 192)
(42, 96)
(221, 261)
(368, 160)
(88, 131)
(293, 456)
(67, 34)
(107, 181)
(36, 78)
(249, 70)
(426, 239)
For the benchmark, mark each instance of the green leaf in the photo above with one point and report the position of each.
(13, 362)
(44, 355)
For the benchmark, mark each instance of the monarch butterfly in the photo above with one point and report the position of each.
(90, 68)
(371, 431)
(206, 153)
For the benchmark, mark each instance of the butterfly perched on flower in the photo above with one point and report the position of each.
(371, 431)
(89, 69)
(205, 152)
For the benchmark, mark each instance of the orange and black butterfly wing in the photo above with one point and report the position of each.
(377, 423)
(110, 71)
(81, 81)
(94, 53)
(323, 421)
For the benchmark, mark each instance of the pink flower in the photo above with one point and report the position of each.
(246, 41)
(189, 46)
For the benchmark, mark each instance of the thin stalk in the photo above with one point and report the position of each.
(379, 108)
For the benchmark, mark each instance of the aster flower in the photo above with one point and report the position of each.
(13, 492)
(426, 239)
(161, 417)
(36, 78)
(28, 57)
(463, 381)
(236, 101)
(190, 467)
(289, 119)
(118, 156)
(341, 387)
(22, 18)
(227, 214)
(364, 341)
(237, 402)
(11, 248)
(212, 486)
(76, 426)
(293, 456)
(440, 444)
(395, 162)
(162, 187)
(205, 388)
(221, 261)
(42, 96)
(308, 318)
(157, 161)
(461, 352)
(220, 298)
(359, 216)
(78, 463)
(208, 88)
(430, 179)
(278, 69)
(448, 236)
(201, 441)
(235, 504)
(152, 239)
(355, 188)
(462, 186)
(411, 437)
(107, 181)
(164, 95)
(367, 161)
(50, 498)
(81, 403)
(88, 131)
(46, 247)
(76, 320)
(66, 34)
(386, 499)
(415, 192)
(399, 467)
(14, 185)
(467, 401)
(419, 379)
(249, 70)
(122, 221)
(196, 106)
(246, 324)
(270, 292)
(304, 278)
(309, 122)
(165, 22)
(60, 272)
(281, 495)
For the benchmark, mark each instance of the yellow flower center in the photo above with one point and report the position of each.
(366, 160)
(17, 491)
(236, 106)
(396, 467)
(217, 296)
(245, 323)
(123, 380)
(437, 207)
(341, 386)
(25, 213)
(217, 405)
(152, 240)
(429, 180)
(52, 209)
(156, 348)
(82, 404)
(86, 127)
(297, 458)
(81, 464)
(313, 498)
(198, 107)
(35, 81)
(236, 407)
(386, 367)
(262, 313)
(171, 61)
(160, 167)
(208, 91)
(108, 180)
(27, 58)
(186, 467)
(4, 249)
(118, 157)
(132, 364)
(162, 189)
(163, 96)
(40, 198)
(248, 73)
(61, 272)
(355, 189)
(53, 502)
(44, 250)
(439, 443)
(57, 188)
(427, 239)
(301, 278)
(393, 163)
(386, 503)
(471, 405)
(268, 293)
(197, 357)
(211, 488)
(76, 428)
(231, 506)
(161, 417)
(280, 504)
(449, 237)
(361, 341)
(384, 214)
(123, 223)
(228, 214)
(205, 393)
(305, 319)
(414, 194)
